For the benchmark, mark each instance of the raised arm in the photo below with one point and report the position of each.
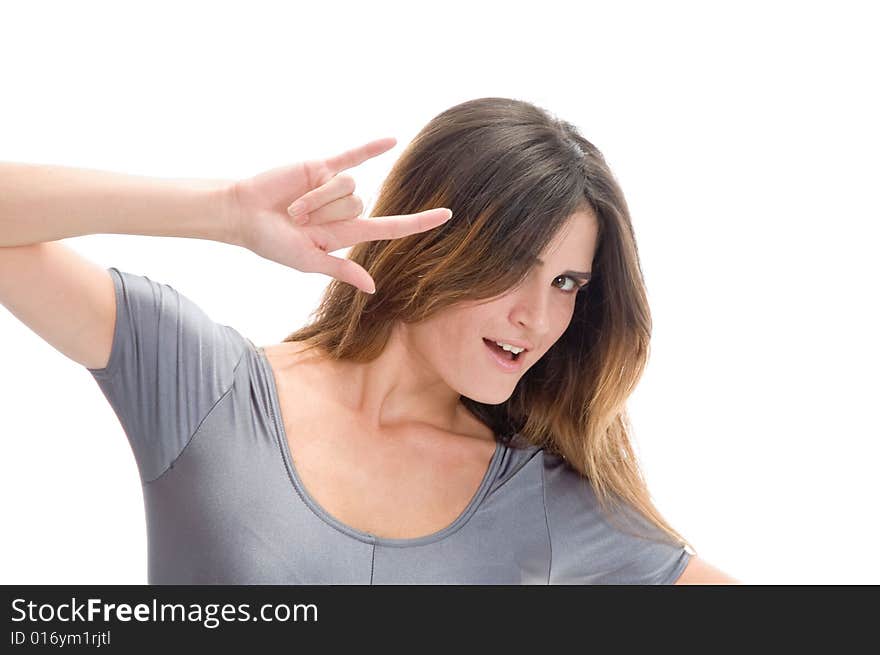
(64, 298)
(69, 301)
(41, 203)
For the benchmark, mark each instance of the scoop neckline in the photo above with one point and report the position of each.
(355, 533)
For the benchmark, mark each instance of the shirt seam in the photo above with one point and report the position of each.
(121, 299)
(676, 572)
(546, 522)
(199, 426)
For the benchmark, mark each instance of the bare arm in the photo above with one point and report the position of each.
(699, 571)
(70, 301)
(41, 203)
(64, 298)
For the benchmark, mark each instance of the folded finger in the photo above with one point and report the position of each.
(336, 187)
(341, 209)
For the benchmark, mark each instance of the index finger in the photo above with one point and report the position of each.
(355, 156)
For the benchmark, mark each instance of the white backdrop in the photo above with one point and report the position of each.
(745, 139)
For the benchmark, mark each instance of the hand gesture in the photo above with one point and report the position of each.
(295, 215)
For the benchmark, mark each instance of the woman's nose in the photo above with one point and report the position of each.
(532, 312)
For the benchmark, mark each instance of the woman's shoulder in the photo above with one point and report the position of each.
(289, 353)
(298, 368)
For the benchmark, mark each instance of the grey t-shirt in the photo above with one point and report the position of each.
(223, 503)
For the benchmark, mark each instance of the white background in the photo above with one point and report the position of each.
(745, 138)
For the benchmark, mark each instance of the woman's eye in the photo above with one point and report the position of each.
(573, 288)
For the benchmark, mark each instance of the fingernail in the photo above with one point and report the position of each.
(295, 208)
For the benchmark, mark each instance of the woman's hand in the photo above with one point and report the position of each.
(265, 206)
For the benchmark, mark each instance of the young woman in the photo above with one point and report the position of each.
(455, 412)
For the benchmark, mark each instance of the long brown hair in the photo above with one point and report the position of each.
(512, 174)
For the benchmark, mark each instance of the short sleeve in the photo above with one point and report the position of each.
(169, 365)
(587, 548)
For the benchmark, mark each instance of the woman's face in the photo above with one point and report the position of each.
(534, 314)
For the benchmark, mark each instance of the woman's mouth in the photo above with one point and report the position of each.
(505, 359)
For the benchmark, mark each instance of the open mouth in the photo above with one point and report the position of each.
(506, 353)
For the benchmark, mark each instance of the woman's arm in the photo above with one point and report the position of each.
(699, 571)
(41, 203)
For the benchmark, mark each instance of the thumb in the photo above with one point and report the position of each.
(345, 270)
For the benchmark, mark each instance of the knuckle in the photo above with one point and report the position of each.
(346, 181)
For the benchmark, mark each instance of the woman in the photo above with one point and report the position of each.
(455, 412)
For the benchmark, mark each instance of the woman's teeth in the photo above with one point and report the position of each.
(511, 351)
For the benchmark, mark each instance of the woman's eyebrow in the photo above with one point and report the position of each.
(583, 275)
